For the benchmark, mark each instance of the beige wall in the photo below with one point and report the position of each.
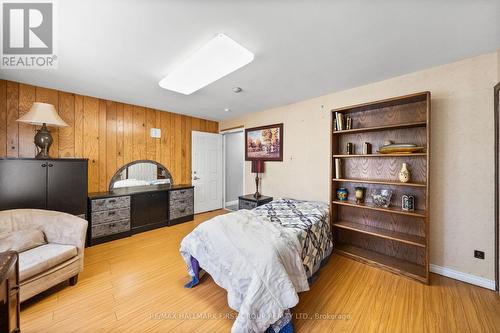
(462, 161)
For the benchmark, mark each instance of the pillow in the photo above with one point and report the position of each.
(21, 240)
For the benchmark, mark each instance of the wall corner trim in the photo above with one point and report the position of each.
(457, 275)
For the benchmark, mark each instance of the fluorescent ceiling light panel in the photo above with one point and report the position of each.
(216, 59)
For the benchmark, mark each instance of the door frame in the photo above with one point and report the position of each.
(496, 110)
(223, 133)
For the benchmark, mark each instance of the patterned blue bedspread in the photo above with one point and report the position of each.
(310, 220)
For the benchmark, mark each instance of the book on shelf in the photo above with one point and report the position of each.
(340, 121)
(338, 168)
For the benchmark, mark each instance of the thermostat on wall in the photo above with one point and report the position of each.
(156, 133)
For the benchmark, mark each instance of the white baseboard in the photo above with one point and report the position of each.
(469, 278)
(230, 203)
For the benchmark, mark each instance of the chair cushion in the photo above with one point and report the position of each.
(43, 258)
(21, 240)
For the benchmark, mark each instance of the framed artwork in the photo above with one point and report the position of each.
(264, 143)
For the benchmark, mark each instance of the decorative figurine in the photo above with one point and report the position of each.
(404, 174)
(408, 202)
(342, 194)
(359, 193)
(381, 198)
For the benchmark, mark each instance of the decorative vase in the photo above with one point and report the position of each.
(404, 174)
(359, 193)
(408, 202)
(342, 194)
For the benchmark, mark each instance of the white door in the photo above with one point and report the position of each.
(206, 171)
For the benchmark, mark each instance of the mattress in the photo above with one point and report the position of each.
(309, 221)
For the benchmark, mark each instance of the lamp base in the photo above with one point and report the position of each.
(256, 195)
(43, 141)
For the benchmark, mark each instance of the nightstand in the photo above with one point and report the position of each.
(250, 202)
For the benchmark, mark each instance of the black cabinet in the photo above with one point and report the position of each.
(149, 211)
(57, 184)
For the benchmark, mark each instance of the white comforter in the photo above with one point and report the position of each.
(258, 264)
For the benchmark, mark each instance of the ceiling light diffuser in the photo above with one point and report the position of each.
(216, 59)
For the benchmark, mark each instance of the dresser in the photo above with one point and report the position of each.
(54, 184)
(9, 292)
(250, 202)
(126, 211)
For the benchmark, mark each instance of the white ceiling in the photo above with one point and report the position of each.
(120, 49)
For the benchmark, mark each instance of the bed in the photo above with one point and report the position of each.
(263, 258)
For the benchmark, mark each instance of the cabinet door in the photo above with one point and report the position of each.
(67, 186)
(23, 184)
(149, 209)
(158, 207)
(139, 215)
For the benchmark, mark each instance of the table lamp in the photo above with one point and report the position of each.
(43, 114)
(257, 167)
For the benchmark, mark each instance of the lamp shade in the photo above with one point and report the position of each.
(257, 166)
(43, 113)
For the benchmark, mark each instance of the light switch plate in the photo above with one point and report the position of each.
(155, 133)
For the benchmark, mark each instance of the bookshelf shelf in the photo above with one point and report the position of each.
(378, 232)
(395, 265)
(394, 210)
(379, 182)
(379, 155)
(389, 238)
(382, 128)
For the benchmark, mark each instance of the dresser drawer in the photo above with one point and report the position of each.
(110, 228)
(244, 204)
(110, 203)
(181, 208)
(106, 216)
(181, 194)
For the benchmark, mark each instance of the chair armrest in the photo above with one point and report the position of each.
(66, 229)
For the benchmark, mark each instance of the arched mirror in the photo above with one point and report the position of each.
(141, 173)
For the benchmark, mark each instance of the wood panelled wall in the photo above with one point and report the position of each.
(109, 134)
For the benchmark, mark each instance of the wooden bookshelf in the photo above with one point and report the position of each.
(389, 238)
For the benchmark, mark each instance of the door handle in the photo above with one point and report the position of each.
(196, 178)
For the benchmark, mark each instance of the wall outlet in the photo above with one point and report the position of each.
(155, 133)
(478, 254)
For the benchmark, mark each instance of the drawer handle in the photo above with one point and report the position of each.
(182, 192)
(182, 210)
(112, 213)
(112, 201)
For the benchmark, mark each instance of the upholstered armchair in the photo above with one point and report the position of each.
(50, 245)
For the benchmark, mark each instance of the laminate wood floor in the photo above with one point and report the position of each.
(136, 285)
